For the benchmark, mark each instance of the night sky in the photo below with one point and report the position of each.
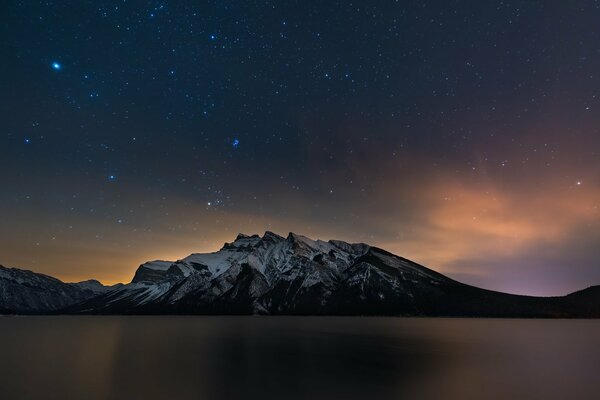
(464, 135)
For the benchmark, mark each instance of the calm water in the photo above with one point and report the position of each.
(297, 358)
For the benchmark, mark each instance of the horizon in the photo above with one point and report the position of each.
(128, 280)
(464, 137)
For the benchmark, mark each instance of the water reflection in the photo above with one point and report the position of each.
(296, 358)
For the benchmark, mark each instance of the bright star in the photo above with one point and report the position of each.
(112, 177)
(578, 183)
(27, 141)
(213, 37)
(56, 66)
(235, 143)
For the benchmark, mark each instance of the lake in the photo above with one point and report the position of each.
(176, 357)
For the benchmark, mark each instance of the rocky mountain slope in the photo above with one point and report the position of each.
(294, 275)
(27, 292)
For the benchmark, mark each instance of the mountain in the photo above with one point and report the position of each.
(295, 275)
(26, 292)
(94, 286)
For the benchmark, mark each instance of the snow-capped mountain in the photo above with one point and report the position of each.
(24, 291)
(253, 274)
(291, 275)
(274, 275)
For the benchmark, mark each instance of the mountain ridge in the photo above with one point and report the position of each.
(25, 291)
(292, 275)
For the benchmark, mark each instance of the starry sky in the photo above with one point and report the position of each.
(464, 135)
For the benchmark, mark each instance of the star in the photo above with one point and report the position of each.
(112, 177)
(235, 144)
(27, 140)
(56, 66)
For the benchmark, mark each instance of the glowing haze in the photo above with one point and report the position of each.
(465, 138)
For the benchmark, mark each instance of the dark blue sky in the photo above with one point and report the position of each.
(461, 134)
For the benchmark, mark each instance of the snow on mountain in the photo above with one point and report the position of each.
(273, 274)
(23, 291)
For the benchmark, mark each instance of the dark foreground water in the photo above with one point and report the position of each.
(297, 358)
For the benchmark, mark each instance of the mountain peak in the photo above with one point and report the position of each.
(294, 237)
(91, 282)
(271, 236)
(94, 286)
(242, 236)
(242, 241)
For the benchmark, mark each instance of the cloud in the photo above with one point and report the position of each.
(481, 233)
